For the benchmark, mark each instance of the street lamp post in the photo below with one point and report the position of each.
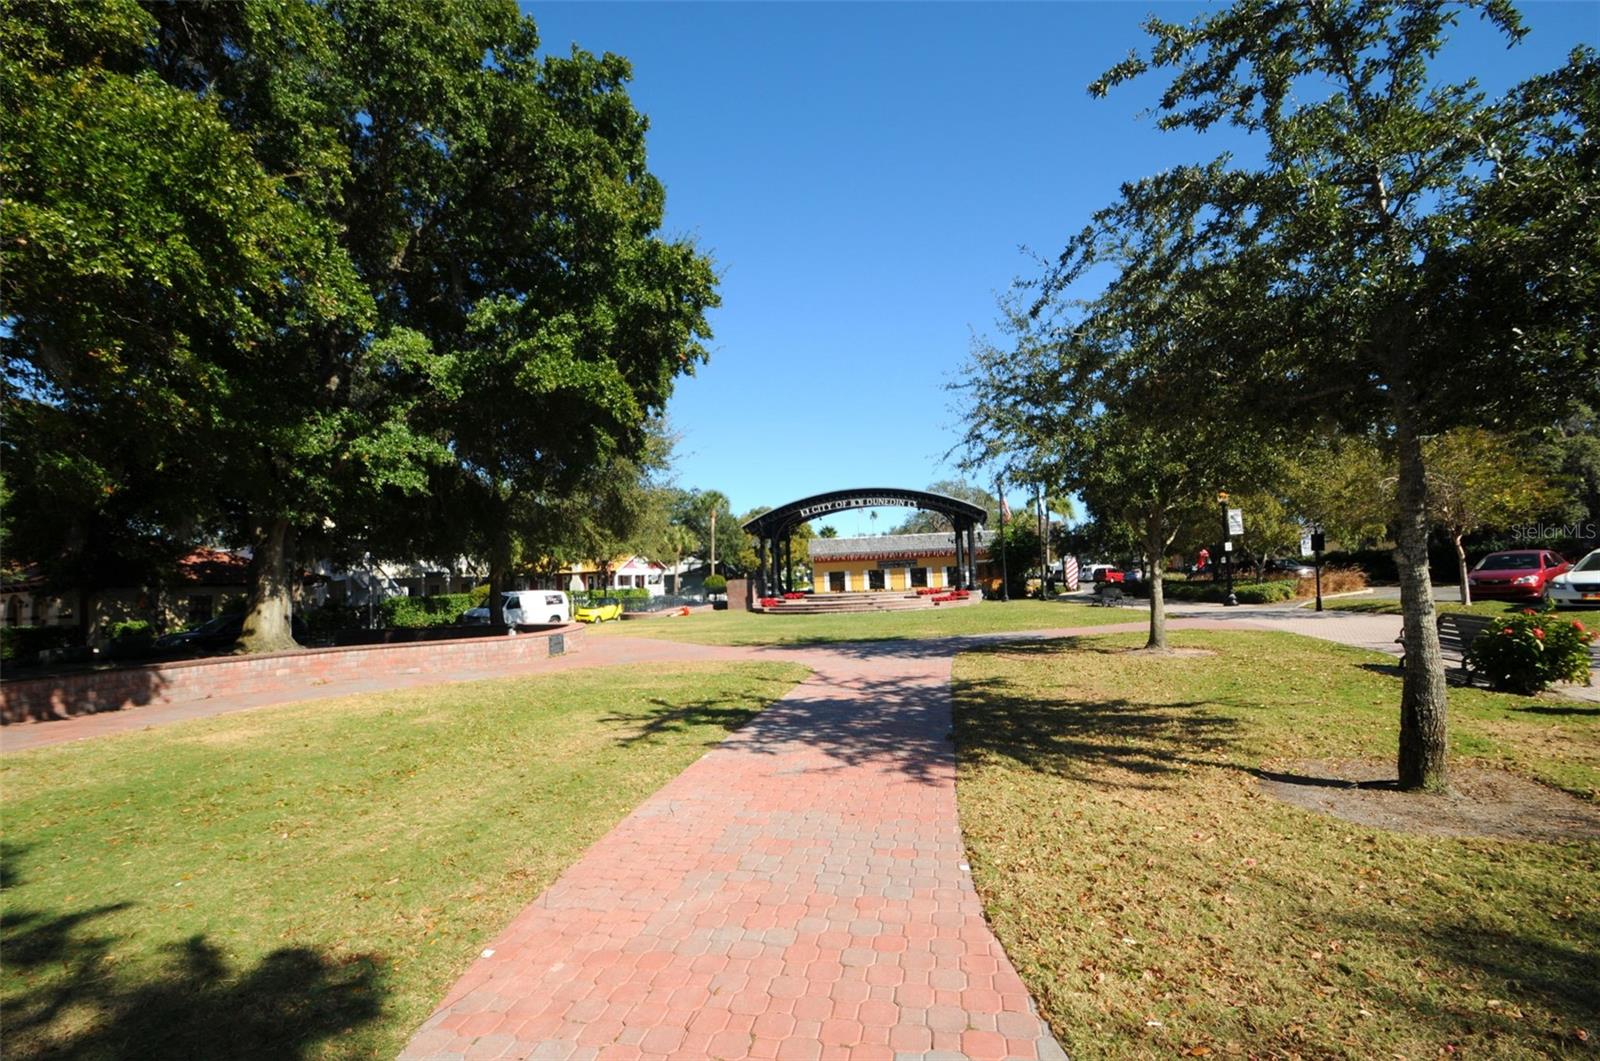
(1005, 566)
(1318, 542)
(1230, 601)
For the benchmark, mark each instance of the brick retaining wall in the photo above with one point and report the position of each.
(294, 674)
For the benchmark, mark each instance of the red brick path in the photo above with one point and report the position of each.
(799, 892)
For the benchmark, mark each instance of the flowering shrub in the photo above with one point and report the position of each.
(771, 602)
(1529, 652)
(794, 596)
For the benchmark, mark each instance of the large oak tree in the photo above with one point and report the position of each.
(408, 254)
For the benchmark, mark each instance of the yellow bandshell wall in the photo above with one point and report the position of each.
(857, 577)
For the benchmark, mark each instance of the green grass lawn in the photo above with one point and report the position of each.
(306, 881)
(1392, 607)
(987, 617)
(1158, 903)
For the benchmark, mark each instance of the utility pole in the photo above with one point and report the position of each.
(713, 539)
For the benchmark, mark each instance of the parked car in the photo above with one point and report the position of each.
(1105, 573)
(526, 607)
(218, 634)
(1518, 574)
(1297, 568)
(1578, 587)
(599, 611)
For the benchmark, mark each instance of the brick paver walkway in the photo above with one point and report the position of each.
(799, 892)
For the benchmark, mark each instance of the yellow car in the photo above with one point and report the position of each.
(599, 611)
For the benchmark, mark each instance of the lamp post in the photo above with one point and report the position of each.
(1005, 567)
(1317, 544)
(1230, 601)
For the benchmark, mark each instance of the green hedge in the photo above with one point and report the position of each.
(328, 619)
(413, 612)
(588, 596)
(131, 630)
(1274, 592)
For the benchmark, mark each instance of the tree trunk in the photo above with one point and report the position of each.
(1155, 566)
(85, 616)
(1423, 699)
(498, 563)
(1461, 570)
(271, 605)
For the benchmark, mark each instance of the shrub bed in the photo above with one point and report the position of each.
(412, 612)
(1217, 592)
(1342, 580)
(626, 596)
(1530, 652)
(22, 644)
(1273, 591)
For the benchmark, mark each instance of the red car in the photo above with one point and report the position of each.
(1520, 574)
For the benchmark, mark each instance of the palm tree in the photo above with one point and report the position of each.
(679, 539)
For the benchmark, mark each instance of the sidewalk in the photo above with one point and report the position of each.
(799, 892)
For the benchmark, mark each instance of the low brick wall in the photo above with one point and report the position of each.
(294, 674)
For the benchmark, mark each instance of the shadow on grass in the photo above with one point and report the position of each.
(896, 722)
(661, 717)
(1307, 781)
(1454, 676)
(918, 648)
(1080, 738)
(1518, 966)
(888, 705)
(1557, 709)
(69, 996)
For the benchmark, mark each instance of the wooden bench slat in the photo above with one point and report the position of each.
(1457, 632)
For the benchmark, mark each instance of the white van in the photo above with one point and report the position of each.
(528, 607)
(536, 607)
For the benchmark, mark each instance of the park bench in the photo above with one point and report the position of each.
(1108, 596)
(1456, 634)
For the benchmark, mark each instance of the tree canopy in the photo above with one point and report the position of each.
(1428, 254)
(409, 257)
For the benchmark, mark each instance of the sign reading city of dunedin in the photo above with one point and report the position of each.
(855, 502)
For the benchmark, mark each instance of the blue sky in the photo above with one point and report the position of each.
(864, 176)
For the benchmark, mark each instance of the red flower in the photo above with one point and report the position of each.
(1508, 630)
(1577, 626)
(1529, 611)
(1538, 633)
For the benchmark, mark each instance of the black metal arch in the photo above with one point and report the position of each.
(775, 527)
